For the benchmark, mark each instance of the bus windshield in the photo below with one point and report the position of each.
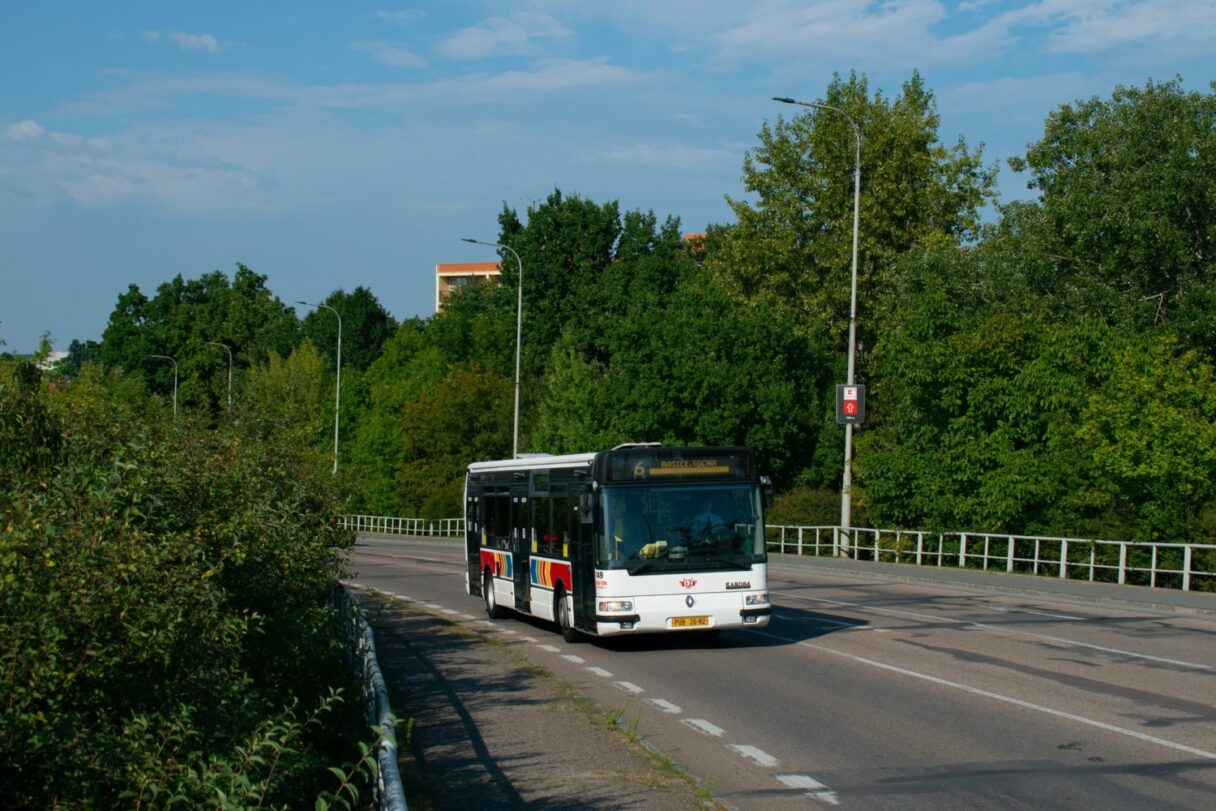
(673, 527)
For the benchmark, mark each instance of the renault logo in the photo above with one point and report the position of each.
(688, 601)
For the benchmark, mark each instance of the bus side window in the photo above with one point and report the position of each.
(561, 526)
(542, 524)
(496, 520)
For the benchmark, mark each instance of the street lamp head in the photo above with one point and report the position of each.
(468, 239)
(784, 99)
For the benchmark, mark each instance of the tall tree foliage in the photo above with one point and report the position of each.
(791, 247)
(366, 325)
(182, 320)
(1128, 200)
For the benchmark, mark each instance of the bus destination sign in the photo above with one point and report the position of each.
(682, 467)
(676, 464)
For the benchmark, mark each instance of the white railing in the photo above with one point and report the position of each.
(388, 525)
(1189, 567)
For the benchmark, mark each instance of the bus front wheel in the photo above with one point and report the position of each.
(487, 591)
(561, 608)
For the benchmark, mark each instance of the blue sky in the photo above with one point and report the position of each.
(333, 145)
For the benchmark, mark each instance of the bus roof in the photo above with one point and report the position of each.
(534, 461)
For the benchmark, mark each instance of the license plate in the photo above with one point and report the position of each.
(689, 622)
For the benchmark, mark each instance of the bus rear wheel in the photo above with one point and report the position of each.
(487, 591)
(565, 622)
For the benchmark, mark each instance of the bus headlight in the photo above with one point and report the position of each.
(615, 606)
(756, 599)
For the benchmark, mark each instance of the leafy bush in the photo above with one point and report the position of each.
(166, 631)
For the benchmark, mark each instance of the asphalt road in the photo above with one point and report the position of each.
(865, 692)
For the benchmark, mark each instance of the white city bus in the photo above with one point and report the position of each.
(638, 539)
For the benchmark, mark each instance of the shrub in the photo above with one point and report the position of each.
(165, 626)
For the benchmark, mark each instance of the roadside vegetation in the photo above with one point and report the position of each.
(165, 629)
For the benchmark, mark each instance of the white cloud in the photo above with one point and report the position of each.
(194, 42)
(23, 130)
(400, 17)
(388, 54)
(658, 156)
(502, 35)
(183, 40)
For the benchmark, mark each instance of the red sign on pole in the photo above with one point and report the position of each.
(850, 405)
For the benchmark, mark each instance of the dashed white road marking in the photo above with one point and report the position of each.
(509, 631)
(666, 706)
(629, 687)
(527, 639)
(757, 756)
(468, 617)
(433, 606)
(599, 671)
(449, 611)
(705, 727)
(485, 622)
(570, 657)
(550, 648)
(811, 786)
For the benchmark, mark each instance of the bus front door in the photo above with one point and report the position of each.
(583, 560)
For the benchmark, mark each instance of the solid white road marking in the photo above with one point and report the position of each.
(998, 697)
(705, 727)
(986, 627)
(665, 705)
(758, 756)
(629, 687)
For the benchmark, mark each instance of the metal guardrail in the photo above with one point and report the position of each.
(1189, 567)
(361, 657)
(427, 527)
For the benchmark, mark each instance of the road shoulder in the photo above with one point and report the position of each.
(492, 729)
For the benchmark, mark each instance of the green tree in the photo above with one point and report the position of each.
(465, 418)
(689, 368)
(564, 246)
(292, 397)
(989, 413)
(366, 325)
(792, 247)
(183, 319)
(1128, 202)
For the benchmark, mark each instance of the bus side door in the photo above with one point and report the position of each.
(582, 531)
(521, 546)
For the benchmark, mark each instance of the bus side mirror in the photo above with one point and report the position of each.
(586, 507)
(766, 487)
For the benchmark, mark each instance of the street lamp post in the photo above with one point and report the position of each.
(174, 362)
(229, 351)
(338, 383)
(519, 321)
(846, 489)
